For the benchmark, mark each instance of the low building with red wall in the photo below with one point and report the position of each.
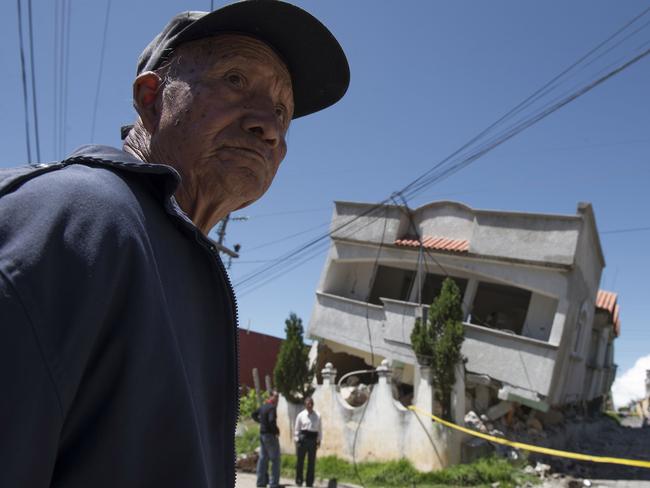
(259, 351)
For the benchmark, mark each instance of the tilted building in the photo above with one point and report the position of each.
(537, 329)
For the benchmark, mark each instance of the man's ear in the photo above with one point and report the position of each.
(146, 88)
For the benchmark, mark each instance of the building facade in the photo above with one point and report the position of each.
(538, 331)
(259, 352)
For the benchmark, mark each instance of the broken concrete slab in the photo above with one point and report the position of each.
(499, 410)
(524, 397)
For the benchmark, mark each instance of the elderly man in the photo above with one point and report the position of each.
(118, 350)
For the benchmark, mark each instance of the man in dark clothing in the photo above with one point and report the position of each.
(267, 416)
(118, 340)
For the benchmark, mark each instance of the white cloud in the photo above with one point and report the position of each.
(630, 385)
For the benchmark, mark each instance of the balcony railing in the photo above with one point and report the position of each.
(513, 359)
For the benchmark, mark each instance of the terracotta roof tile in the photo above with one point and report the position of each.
(608, 301)
(436, 243)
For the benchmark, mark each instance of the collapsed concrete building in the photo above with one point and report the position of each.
(538, 331)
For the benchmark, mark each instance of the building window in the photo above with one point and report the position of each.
(500, 307)
(395, 283)
(433, 284)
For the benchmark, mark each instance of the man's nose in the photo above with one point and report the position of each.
(264, 123)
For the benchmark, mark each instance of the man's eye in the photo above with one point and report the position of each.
(235, 79)
(281, 112)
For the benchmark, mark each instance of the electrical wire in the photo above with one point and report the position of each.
(459, 160)
(621, 231)
(526, 102)
(24, 78)
(288, 212)
(56, 65)
(286, 238)
(31, 57)
(304, 248)
(65, 56)
(101, 69)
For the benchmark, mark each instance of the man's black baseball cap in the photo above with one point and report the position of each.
(319, 69)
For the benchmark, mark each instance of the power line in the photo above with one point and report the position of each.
(63, 57)
(289, 212)
(31, 56)
(66, 72)
(526, 102)
(621, 231)
(286, 238)
(457, 161)
(55, 62)
(101, 68)
(24, 77)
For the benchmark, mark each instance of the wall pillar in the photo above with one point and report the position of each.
(559, 322)
(329, 375)
(468, 297)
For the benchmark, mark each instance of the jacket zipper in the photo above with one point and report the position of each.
(235, 316)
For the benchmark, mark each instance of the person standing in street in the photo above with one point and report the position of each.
(307, 435)
(267, 416)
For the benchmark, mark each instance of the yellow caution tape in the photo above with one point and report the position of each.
(543, 450)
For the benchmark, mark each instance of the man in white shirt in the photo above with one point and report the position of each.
(307, 435)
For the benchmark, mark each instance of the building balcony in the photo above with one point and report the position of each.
(516, 360)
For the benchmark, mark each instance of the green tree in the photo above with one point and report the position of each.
(292, 374)
(422, 342)
(437, 341)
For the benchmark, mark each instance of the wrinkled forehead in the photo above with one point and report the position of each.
(211, 51)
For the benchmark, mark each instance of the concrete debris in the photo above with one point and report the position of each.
(473, 421)
(542, 469)
(247, 462)
(499, 410)
(474, 448)
(552, 417)
(356, 395)
(535, 424)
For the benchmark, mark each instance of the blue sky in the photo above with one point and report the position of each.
(426, 77)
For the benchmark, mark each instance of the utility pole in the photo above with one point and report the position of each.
(222, 229)
(221, 237)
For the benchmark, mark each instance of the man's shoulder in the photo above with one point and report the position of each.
(92, 174)
(94, 190)
(73, 205)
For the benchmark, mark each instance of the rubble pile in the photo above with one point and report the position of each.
(355, 393)
(247, 462)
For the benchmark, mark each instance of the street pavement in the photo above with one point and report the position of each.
(247, 480)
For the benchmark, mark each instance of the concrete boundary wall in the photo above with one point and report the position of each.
(381, 430)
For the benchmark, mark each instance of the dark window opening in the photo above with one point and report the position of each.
(500, 307)
(433, 284)
(392, 283)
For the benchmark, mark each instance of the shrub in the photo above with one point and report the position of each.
(248, 403)
(292, 374)
(249, 440)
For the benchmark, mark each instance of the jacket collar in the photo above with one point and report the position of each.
(121, 160)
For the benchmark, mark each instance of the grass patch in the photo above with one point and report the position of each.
(249, 440)
(402, 474)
